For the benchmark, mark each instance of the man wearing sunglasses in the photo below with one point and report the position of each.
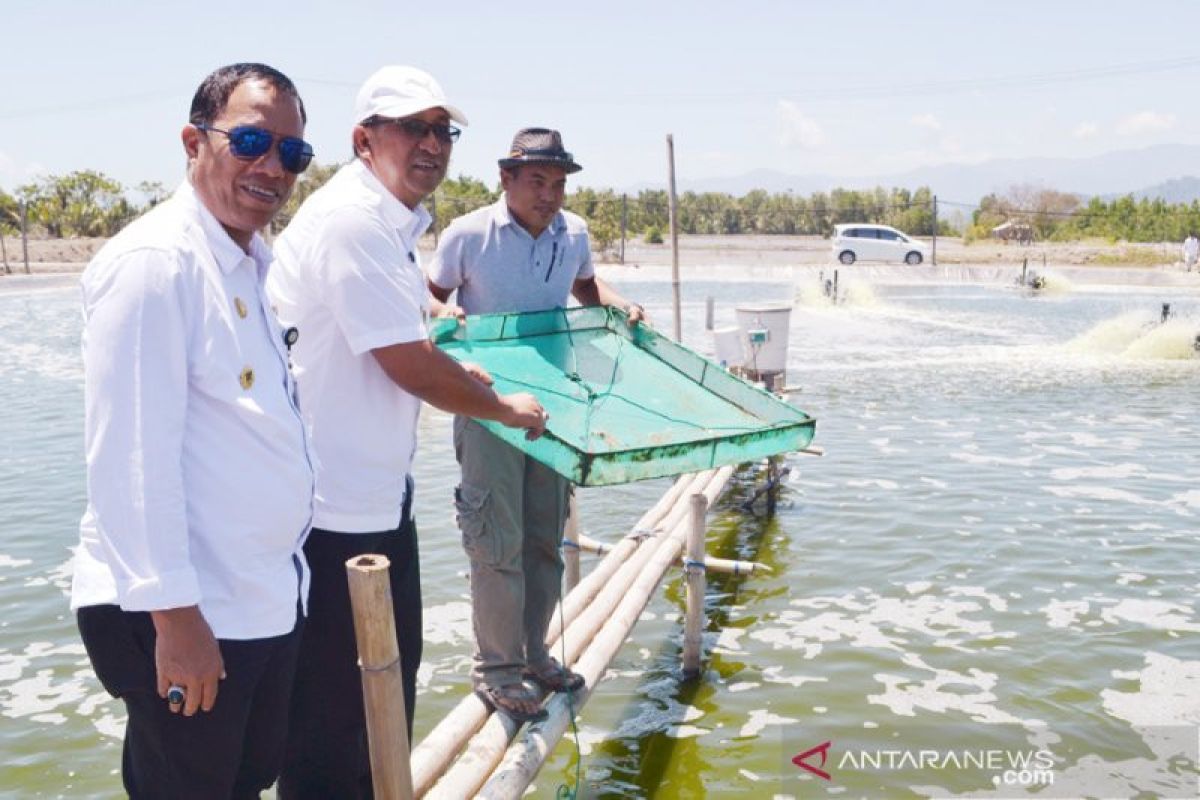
(523, 253)
(189, 578)
(348, 275)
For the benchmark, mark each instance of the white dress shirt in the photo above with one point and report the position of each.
(199, 480)
(348, 275)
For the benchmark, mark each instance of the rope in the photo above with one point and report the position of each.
(641, 534)
(694, 567)
(565, 792)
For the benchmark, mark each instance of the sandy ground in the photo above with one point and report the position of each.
(70, 255)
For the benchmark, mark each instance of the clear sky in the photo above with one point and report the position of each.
(800, 87)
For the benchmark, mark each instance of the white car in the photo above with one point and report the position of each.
(861, 242)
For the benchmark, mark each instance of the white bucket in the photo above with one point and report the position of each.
(727, 342)
(765, 336)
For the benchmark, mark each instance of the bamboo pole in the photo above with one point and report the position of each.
(693, 628)
(433, 755)
(523, 760)
(728, 566)
(383, 690)
(571, 544)
(637, 577)
(674, 221)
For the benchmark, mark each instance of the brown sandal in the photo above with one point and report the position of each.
(556, 678)
(505, 698)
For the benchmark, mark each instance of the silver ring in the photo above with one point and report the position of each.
(175, 695)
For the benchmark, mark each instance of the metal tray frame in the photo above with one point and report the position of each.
(497, 342)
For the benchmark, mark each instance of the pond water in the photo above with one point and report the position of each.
(998, 550)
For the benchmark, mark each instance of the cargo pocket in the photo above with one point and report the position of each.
(474, 520)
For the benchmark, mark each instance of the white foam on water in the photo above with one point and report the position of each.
(1064, 613)
(9, 561)
(1099, 493)
(1190, 499)
(41, 361)
(587, 739)
(1173, 339)
(742, 686)
(727, 640)
(1114, 471)
(1004, 461)
(685, 731)
(760, 719)
(1127, 578)
(969, 693)
(748, 775)
(449, 623)
(940, 619)
(881, 483)
(775, 675)
(1156, 614)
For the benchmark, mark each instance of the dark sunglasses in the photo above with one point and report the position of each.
(419, 128)
(248, 143)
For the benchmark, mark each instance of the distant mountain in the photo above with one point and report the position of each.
(1176, 190)
(1115, 173)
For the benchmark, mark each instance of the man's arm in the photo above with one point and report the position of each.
(424, 371)
(593, 291)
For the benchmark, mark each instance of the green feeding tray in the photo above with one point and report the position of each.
(625, 404)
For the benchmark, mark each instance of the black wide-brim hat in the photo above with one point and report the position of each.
(539, 146)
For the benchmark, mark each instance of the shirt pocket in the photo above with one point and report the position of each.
(475, 520)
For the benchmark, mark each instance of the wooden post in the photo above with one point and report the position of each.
(571, 544)
(709, 312)
(693, 631)
(25, 234)
(674, 220)
(624, 223)
(933, 255)
(383, 691)
(4, 252)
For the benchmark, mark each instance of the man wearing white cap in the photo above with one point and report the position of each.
(348, 276)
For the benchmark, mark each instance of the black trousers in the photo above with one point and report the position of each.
(327, 755)
(234, 751)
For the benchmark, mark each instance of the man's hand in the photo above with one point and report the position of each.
(478, 373)
(525, 412)
(186, 654)
(447, 311)
(636, 314)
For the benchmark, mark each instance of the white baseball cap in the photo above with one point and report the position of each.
(398, 91)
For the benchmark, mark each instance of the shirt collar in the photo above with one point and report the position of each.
(501, 216)
(227, 253)
(411, 223)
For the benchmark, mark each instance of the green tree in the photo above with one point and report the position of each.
(83, 203)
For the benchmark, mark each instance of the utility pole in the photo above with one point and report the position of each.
(674, 220)
(933, 257)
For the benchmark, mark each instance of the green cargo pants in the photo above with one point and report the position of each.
(511, 511)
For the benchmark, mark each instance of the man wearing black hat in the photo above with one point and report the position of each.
(523, 253)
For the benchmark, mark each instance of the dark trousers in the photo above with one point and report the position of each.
(327, 755)
(234, 751)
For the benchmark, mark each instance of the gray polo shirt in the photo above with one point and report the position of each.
(497, 267)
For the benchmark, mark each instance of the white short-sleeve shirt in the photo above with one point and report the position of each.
(497, 267)
(348, 275)
(199, 480)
